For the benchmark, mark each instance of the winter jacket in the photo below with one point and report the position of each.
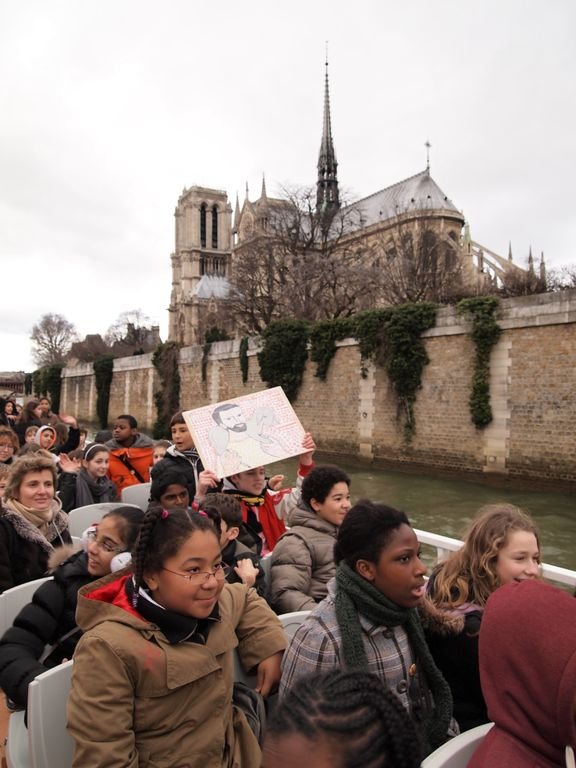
(302, 562)
(316, 647)
(24, 551)
(138, 701)
(48, 620)
(188, 464)
(235, 551)
(452, 636)
(127, 463)
(528, 675)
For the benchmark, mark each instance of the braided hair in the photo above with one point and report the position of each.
(364, 720)
(162, 534)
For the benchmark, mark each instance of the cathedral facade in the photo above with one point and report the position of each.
(209, 237)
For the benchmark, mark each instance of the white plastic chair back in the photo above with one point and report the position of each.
(457, 752)
(138, 495)
(291, 622)
(51, 745)
(82, 517)
(14, 599)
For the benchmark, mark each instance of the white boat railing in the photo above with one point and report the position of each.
(444, 545)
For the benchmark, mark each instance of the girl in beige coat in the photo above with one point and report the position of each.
(153, 673)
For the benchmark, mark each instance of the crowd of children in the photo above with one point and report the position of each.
(160, 606)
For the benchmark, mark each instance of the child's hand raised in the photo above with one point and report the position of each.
(309, 447)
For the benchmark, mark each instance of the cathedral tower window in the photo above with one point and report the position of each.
(214, 226)
(203, 225)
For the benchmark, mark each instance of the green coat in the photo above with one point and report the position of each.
(139, 702)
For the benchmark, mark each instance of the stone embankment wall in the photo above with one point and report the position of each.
(532, 391)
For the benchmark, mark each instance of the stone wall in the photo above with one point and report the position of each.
(532, 391)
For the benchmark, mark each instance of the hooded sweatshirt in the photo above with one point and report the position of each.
(528, 675)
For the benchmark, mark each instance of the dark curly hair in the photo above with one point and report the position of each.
(319, 482)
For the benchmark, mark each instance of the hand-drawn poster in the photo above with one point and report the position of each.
(246, 432)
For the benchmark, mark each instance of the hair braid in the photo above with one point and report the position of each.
(151, 518)
(372, 728)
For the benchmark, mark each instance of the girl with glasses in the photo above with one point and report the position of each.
(49, 620)
(163, 640)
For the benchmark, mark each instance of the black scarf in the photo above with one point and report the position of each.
(175, 627)
(355, 595)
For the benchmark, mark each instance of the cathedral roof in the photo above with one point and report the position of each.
(212, 286)
(417, 193)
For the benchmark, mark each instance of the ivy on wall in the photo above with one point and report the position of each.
(46, 381)
(482, 310)
(283, 356)
(103, 372)
(323, 338)
(243, 356)
(167, 399)
(390, 337)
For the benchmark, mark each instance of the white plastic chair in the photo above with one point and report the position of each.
(139, 495)
(82, 517)
(51, 746)
(14, 599)
(457, 752)
(16, 750)
(291, 621)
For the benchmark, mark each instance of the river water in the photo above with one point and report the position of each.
(446, 506)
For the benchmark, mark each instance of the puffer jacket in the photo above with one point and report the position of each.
(138, 701)
(302, 562)
(24, 551)
(48, 620)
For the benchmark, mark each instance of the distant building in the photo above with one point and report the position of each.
(12, 383)
(208, 239)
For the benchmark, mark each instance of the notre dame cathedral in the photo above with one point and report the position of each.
(209, 233)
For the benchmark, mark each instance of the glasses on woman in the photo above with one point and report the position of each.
(6, 447)
(104, 544)
(219, 571)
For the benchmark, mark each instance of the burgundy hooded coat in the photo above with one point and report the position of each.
(528, 676)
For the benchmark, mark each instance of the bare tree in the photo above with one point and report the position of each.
(562, 278)
(52, 337)
(129, 325)
(417, 263)
(298, 263)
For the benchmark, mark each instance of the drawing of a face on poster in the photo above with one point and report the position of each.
(253, 431)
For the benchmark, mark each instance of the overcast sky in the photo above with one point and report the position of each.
(108, 109)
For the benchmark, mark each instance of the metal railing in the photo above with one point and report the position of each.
(444, 545)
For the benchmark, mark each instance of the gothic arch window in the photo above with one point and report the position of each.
(214, 226)
(203, 208)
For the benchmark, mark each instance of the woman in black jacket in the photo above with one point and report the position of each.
(49, 620)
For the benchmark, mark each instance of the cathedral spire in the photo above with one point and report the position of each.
(263, 194)
(327, 198)
(237, 213)
(509, 250)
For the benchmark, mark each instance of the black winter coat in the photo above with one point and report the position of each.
(24, 551)
(49, 620)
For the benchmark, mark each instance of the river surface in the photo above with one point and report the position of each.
(446, 506)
